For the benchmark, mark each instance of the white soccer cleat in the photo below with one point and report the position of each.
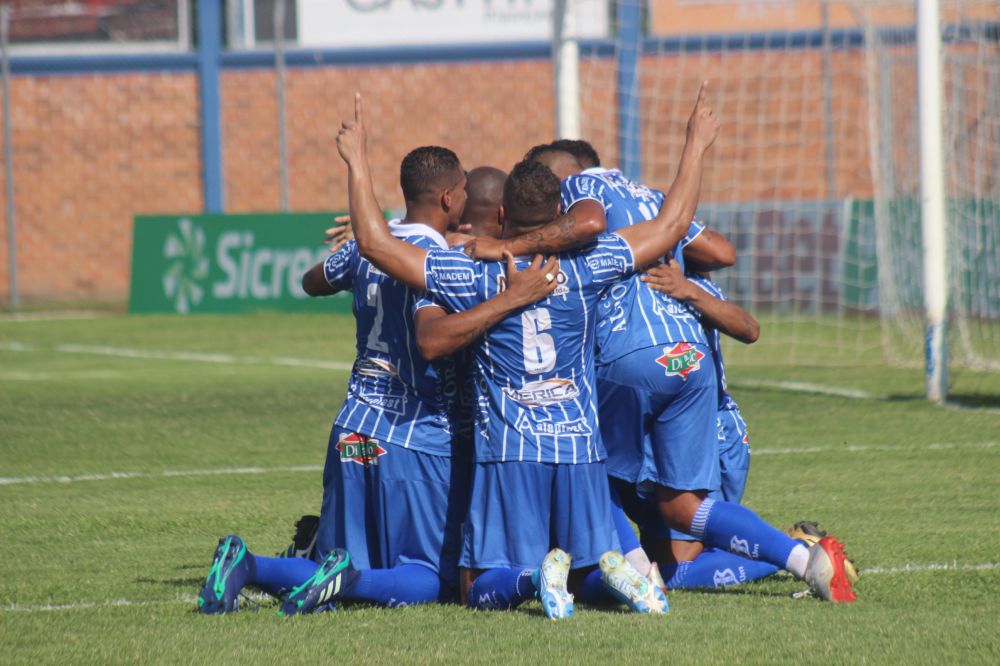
(552, 577)
(656, 578)
(631, 587)
(825, 571)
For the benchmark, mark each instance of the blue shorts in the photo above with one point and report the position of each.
(734, 454)
(518, 511)
(680, 403)
(388, 505)
(622, 412)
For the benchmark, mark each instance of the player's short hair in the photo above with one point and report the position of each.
(531, 194)
(426, 170)
(584, 153)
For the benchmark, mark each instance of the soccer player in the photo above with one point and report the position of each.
(539, 476)
(657, 398)
(392, 501)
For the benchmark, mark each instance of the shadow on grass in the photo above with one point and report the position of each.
(176, 582)
(974, 400)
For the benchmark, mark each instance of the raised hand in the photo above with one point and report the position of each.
(703, 126)
(338, 236)
(352, 139)
(534, 283)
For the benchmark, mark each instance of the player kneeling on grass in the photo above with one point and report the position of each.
(539, 482)
(394, 497)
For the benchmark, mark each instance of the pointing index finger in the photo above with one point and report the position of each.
(358, 116)
(701, 93)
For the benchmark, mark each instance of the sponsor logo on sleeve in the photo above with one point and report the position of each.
(543, 392)
(360, 449)
(681, 360)
(455, 276)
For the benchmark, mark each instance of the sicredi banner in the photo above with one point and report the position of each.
(188, 264)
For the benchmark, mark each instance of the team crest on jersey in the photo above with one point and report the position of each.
(359, 449)
(682, 359)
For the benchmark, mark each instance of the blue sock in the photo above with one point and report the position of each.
(275, 574)
(592, 590)
(714, 568)
(739, 530)
(500, 589)
(402, 585)
(626, 535)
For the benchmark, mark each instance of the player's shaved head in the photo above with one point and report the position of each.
(484, 185)
(530, 195)
(561, 162)
(428, 170)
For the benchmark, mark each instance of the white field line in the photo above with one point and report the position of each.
(227, 471)
(291, 361)
(59, 315)
(842, 392)
(162, 355)
(190, 600)
(165, 474)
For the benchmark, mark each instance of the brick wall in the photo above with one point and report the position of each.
(92, 151)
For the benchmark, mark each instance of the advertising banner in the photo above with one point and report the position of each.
(345, 23)
(228, 263)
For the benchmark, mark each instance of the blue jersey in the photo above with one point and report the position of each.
(726, 401)
(632, 316)
(535, 369)
(394, 395)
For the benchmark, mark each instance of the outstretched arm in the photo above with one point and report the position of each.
(710, 251)
(571, 229)
(400, 260)
(440, 334)
(654, 238)
(727, 317)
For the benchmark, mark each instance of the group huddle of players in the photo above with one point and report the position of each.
(521, 398)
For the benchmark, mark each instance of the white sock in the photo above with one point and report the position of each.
(638, 559)
(797, 561)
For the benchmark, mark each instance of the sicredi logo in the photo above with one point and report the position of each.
(187, 266)
(248, 271)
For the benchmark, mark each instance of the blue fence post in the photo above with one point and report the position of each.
(627, 67)
(209, 61)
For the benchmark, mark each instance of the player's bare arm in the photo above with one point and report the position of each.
(710, 251)
(402, 260)
(654, 238)
(574, 228)
(440, 334)
(725, 316)
(314, 282)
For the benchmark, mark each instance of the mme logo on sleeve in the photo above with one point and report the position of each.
(359, 449)
(681, 359)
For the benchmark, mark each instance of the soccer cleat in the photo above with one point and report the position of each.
(552, 576)
(631, 587)
(657, 579)
(232, 567)
(304, 541)
(335, 575)
(809, 533)
(825, 571)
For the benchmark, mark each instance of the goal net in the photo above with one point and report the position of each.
(815, 177)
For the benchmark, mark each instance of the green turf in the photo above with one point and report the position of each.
(105, 571)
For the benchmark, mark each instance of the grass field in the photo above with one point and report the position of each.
(122, 441)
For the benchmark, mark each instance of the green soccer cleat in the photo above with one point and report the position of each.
(552, 577)
(335, 576)
(232, 567)
(631, 587)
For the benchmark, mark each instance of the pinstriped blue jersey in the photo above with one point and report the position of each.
(633, 316)
(714, 337)
(393, 395)
(535, 369)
